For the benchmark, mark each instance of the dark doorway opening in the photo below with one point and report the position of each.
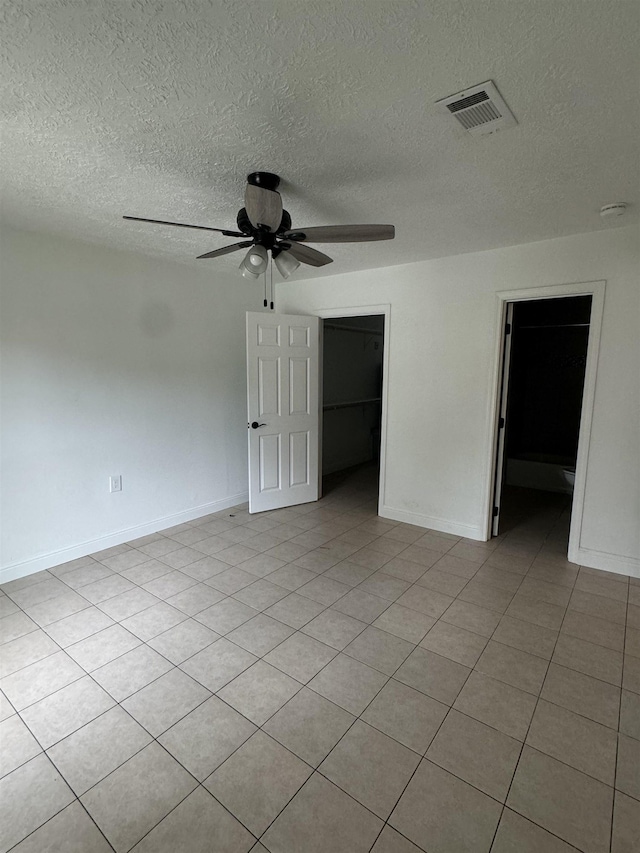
(353, 352)
(543, 382)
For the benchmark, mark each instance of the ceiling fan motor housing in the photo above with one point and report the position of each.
(245, 225)
(266, 180)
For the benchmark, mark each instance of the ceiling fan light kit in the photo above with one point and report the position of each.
(286, 263)
(266, 227)
(255, 262)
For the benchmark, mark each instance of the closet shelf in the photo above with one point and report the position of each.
(329, 407)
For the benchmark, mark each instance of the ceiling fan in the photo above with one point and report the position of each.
(266, 227)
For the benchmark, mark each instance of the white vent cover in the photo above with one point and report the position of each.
(479, 110)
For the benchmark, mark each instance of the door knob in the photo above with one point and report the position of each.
(255, 425)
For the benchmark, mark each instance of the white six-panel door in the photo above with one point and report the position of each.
(283, 370)
(502, 425)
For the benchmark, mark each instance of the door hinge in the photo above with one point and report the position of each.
(495, 511)
(501, 423)
(507, 329)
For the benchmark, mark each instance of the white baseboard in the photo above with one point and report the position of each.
(606, 562)
(441, 524)
(55, 558)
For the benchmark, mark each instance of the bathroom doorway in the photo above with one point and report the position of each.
(544, 365)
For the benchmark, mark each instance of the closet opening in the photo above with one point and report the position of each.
(352, 364)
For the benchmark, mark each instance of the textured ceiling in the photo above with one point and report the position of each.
(160, 108)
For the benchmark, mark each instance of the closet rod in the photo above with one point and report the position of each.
(353, 329)
(329, 407)
(558, 326)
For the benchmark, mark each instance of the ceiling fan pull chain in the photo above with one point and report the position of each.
(271, 269)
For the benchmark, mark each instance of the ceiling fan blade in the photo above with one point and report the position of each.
(307, 255)
(226, 250)
(184, 225)
(341, 233)
(263, 206)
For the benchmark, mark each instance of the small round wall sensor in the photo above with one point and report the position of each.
(613, 210)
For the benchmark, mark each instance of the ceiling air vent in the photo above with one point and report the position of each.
(479, 110)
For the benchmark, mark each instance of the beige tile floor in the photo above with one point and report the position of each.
(321, 680)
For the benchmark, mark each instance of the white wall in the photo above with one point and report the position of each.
(442, 344)
(115, 364)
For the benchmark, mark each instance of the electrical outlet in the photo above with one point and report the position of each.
(115, 483)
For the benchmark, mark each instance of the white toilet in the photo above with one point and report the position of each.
(569, 476)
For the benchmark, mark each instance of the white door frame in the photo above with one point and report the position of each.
(363, 311)
(595, 289)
